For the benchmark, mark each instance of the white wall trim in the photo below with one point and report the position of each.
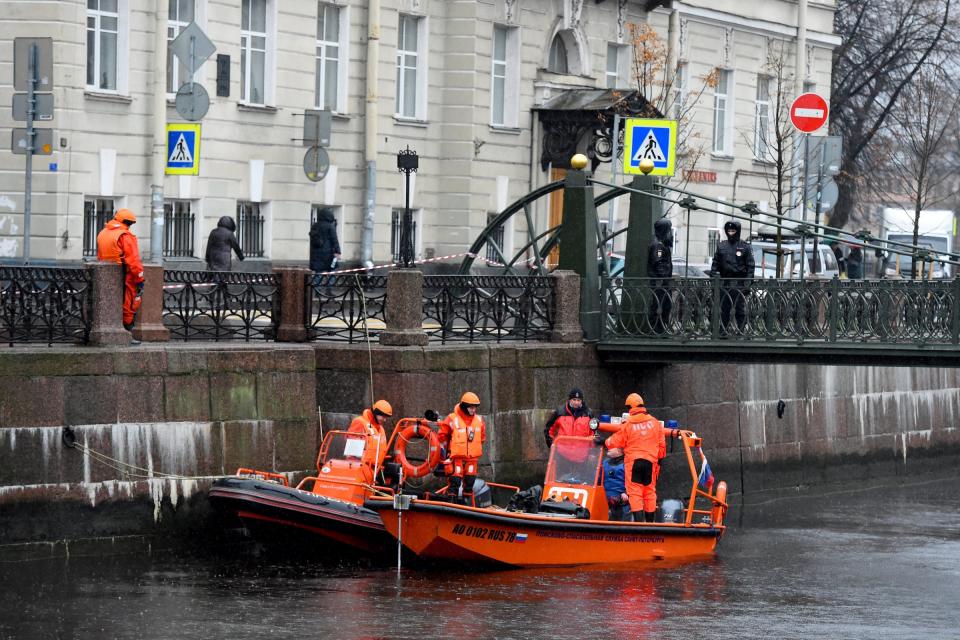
(256, 180)
(108, 171)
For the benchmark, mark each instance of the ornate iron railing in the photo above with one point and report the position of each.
(44, 304)
(829, 311)
(475, 308)
(221, 305)
(345, 307)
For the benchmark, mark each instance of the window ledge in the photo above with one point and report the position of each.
(107, 97)
(500, 128)
(766, 164)
(410, 122)
(341, 116)
(256, 108)
(726, 157)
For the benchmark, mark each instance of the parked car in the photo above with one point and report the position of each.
(680, 268)
(765, 258)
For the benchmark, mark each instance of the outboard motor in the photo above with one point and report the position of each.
(672, 511)
(482, 494)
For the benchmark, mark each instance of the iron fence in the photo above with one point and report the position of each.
(483, 308)
(221, 305)
(44, 304)
(345, 307)
(829, 311)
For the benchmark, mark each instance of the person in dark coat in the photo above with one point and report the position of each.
(660, 267)
(220, 243)
(733, 260)
(855, 263)
(841, 260)
(324, 246)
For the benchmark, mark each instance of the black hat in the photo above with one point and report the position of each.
(575, 393)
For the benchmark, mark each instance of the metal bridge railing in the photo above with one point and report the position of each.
(220, 305)
(44, 305)
(830, 311)
(345, 307)
(488, 308)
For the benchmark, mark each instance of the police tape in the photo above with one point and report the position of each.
(375, 267)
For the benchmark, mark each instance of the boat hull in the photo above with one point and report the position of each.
(441, 531)
(273, 513)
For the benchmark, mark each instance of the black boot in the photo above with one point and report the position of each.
(651, 516)
(636, 516)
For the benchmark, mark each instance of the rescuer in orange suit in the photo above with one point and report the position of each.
(641, 442)
(462, 434)
(370, 423)
(116, 243)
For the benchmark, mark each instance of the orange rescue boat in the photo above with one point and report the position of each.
(567, 525)
(329, 505)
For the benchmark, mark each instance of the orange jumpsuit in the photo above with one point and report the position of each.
(366, 424)
(463, 437)
(116, 243)
(641, 438)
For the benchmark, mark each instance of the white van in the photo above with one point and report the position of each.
(765, 259)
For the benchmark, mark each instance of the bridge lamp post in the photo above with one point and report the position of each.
(407, 163)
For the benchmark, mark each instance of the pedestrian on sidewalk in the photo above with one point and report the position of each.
(324, 247)
(220, 245)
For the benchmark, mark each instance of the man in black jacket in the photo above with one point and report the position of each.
(220, 243)
(733, 259)
(660, 266)
(324, 246)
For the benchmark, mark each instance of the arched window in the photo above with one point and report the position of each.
(558, 56)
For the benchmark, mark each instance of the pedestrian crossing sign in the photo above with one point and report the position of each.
(183, 149)
(650, 139)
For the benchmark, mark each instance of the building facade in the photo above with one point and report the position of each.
(461, 82)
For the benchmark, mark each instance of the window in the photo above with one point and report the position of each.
(180, 14)
(330, 58)
(557, 62)
(505, 76)
(178, 229)
(250, 228)
(616, 63)
(396, 229)
(761, 125)
(96, 212)
(721, 113)
(103, 32)
(679, 90)
(496, 237)
(253, 52)
(411, 70)
(713, 241)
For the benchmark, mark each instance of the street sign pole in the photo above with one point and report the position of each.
(816, 218)
(31, 139)
(803, 193)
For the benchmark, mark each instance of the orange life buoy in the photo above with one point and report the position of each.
(400, 452)
(719, 509)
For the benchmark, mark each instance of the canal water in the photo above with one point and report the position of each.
(875, 563)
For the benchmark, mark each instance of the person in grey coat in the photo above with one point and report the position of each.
(220, 243)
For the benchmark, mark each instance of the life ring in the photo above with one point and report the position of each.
(400, 452)
(719, 510)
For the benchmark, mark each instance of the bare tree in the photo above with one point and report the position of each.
(885, 45)
(918, 169)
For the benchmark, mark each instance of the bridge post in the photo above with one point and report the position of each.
(955, 312)
(644, 211)
(578, 243)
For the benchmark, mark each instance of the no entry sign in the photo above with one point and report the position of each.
(809, 112)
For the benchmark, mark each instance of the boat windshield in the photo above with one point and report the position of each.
(344, 446)
(574, 460)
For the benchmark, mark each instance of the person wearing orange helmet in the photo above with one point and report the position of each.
(462, 434)
(370, 424)
(641, 442)
(116, 243)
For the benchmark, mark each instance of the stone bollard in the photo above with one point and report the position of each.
(566, 317)
(293, 293)
(149, 322)
(404, 312)
(106, 312)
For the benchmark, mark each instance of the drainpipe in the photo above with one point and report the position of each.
(158, 151)
(372, 118)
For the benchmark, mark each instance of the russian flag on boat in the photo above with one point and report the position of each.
(706, 478)
(521, 537)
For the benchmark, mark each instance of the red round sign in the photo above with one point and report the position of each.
(809, 112)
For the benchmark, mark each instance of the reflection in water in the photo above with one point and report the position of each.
(874, 564)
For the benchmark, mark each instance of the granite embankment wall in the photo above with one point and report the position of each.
(180, 415)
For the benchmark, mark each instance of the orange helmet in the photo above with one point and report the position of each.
(125, 215)
(634, 400)
(470, 398)
(383, 407)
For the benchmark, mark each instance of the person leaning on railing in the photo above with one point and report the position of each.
(734, 260)
(117, 243)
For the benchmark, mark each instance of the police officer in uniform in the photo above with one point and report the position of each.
(734, 260)
(660, 266)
